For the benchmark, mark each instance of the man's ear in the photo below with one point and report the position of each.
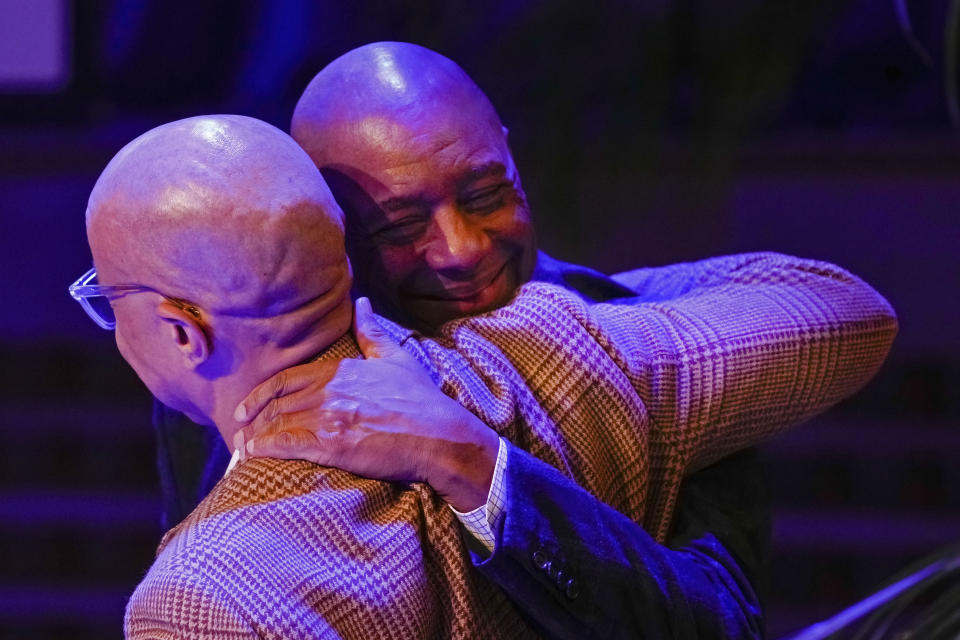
(187, 332)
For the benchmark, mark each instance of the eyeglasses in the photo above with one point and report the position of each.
(95, 298)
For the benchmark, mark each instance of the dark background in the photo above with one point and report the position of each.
(646, 133)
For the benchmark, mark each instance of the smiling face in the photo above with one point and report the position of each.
(437, 222)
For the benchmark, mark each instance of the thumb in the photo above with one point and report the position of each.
(371, 337)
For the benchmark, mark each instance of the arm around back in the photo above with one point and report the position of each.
(746, 344)
(737, 348)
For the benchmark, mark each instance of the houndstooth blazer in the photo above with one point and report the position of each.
(623, 398)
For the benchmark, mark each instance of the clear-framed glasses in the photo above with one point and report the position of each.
(95, 298)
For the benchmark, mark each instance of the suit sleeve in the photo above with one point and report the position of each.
(580, 569)
(743, 347)
(721, 351)
(715, 356)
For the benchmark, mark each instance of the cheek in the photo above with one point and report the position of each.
(120, 338)
(137, 350)
(131, 355)
(518, 238)
(125, 342)
(521, 232)
(385, 267)
(515, 231)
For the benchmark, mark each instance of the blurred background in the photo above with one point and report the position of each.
(646, 133)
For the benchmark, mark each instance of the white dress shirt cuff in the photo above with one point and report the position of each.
(481, 522)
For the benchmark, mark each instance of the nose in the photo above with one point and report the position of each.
(456, 243)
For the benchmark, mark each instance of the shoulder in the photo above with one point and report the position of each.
(270, 530)
(276, 498)
(178, 598)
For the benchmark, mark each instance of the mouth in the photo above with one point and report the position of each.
(433, 308)
(470, 292)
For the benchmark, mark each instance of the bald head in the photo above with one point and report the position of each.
(438, 225)
(381, 85)
(226, 211)
(238, 243)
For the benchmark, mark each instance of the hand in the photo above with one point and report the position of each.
(382, 417)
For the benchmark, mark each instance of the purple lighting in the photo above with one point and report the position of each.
(34, 46)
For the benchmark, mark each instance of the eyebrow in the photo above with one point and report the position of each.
(401, 203)
(474, 173)
(482, 171)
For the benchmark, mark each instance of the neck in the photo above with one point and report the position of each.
(258, 366)
(248, 352)
(225, 403)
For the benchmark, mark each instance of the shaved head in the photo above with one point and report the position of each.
(437, 221)
(222, 210)
(239, 246)
(377, 86)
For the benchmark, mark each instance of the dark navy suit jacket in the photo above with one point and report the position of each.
(580, 569)
(576, 567)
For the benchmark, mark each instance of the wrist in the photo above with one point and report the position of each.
(464, 471)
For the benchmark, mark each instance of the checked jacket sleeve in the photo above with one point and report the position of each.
(780, 337)
(748, 346)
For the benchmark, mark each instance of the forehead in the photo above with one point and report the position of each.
(425, 146)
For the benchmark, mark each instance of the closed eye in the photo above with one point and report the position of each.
(400, 232)
(485, 200)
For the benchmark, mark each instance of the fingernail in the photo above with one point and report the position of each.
(363, 303)
(250, 447)
(240, 413)
(239, 445)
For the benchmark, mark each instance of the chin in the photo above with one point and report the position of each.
(434, 315)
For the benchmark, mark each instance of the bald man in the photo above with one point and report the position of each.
(439, 228)
(219, 250)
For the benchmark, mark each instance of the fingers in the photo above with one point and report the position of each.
(290, 444)
(240, 444)
(373, 340)
(304, 435)
(283, 384)
(317, 414)
(334, 417)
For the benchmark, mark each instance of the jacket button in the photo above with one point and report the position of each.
(553, 570)
(572, 589)
(563, 577)
(541, 560)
